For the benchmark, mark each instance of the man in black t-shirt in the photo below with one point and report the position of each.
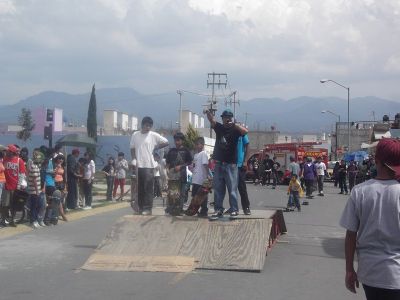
(225, 155)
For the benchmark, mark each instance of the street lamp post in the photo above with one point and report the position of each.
(180, 109)
(348, 108)
(336, 130)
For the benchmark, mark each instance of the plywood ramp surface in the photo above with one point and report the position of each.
(179, 244)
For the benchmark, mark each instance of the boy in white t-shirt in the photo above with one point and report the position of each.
(321, 169)
(200, 173)
(143, 144)
(372, 221)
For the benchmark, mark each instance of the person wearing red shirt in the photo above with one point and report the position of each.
(13, 165)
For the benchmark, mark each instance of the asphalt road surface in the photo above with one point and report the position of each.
(306, 263)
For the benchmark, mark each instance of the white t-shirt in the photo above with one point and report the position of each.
(144, 144)
(373, 211)
(199, 174)
(321, 168)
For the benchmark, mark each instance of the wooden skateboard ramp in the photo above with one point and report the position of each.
(181, 244)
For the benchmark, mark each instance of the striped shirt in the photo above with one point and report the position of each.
(33, 179)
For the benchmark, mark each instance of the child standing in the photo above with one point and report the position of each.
(200, 173)
(109, 171)
(295, 192)
(177, 160)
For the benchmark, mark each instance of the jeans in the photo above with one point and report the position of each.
(225, 177)
(343, 184)
(87, 189)
(110, 186)
(274, 179)
(145, 186)
(37, 207)
(294, 199)
(320, 181)
(244, 198)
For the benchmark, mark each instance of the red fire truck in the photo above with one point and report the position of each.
(284, 151)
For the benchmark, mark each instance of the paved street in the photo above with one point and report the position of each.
(307, 263)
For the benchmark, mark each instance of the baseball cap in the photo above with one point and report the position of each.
(388, 153)
(227, 113)
(12, 148)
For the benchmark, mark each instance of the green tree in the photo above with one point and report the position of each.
(92, 116)
(190, 137)
(26, 122)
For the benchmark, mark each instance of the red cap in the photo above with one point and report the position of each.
(12, 148)
(388, 153)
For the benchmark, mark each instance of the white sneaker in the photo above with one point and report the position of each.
(87, 207)
(41, 224)
(35, 225)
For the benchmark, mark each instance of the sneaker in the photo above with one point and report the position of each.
(228, 211)
(247, 211)
(35, 225)
(234, 215)
(299, 209)
(86, 207)
(346, 193)
(202, 214)
(341, 193)
(146, 213)
(321, 193)
(216, 215)
(41, 224)
(305, 203)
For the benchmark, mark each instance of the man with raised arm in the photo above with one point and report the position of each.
(225, 156)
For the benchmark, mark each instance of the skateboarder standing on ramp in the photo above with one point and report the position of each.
(143, 143)
(177, 160)
(225, 155)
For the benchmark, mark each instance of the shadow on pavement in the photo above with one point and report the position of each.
(334, 247)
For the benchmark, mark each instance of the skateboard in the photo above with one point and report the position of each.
(134, 194)
(174, 198)
(199, 198)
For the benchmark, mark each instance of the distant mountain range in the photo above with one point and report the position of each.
(301, 114)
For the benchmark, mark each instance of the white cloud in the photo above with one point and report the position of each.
(269, 48)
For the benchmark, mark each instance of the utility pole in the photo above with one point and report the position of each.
(245, 118)
(233, 102)
(214, 79)
(180, 109)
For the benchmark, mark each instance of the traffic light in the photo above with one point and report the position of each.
(47, 133)
(49, 115)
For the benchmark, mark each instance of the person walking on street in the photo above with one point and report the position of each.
(268, 164)
(294, 167)
(309, 174)
(371, 219)
(321, 169)
(276, 166)
(143, 144)
(352, 171)
(342, 177)
(225, 155)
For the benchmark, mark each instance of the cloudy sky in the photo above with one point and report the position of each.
(274, 48)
